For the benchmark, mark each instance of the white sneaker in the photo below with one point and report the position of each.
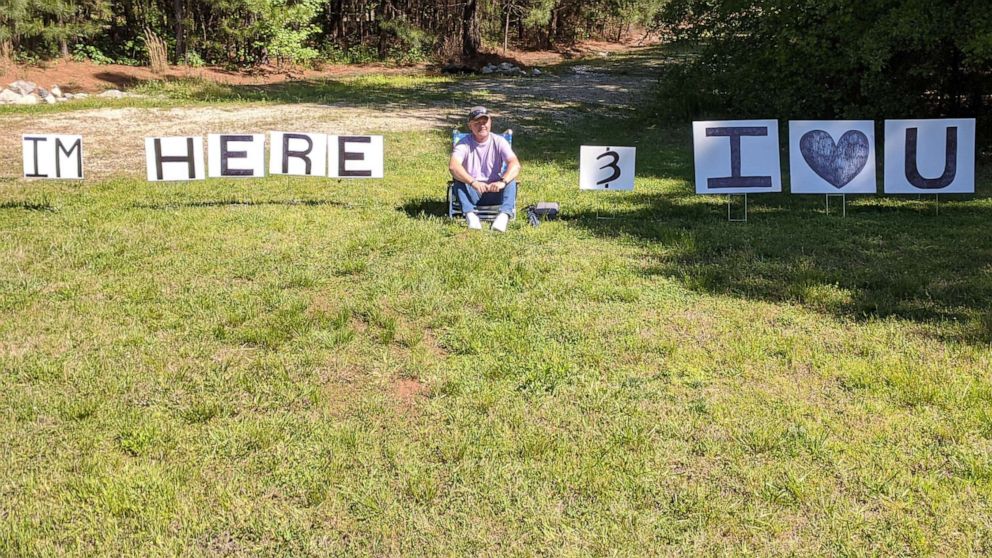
(473, 221)
(499, 224)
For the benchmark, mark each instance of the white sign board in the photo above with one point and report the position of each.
(174, 158)
(236, 155)
(355, 156)
(606, 168)
(52, 156)
(736, 157)
(297, 154)
(832, 156)
(930, 156)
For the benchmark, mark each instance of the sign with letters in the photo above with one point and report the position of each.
(606, 168)
(355, 156)
(736, 157)
(298, 154)
(236, 155)
(52, 156)
(930, 156)
(174, 158)
(832, 157)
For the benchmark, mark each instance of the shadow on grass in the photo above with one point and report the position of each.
(120, 79)
(887, 258)
(27, 206)
(425, 207)
(234, 203)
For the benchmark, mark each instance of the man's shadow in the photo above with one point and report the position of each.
(425, 207)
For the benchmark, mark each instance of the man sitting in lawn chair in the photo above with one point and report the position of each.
(484, 168)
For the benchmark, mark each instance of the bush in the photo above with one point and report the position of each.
(833, 58)
(81, 52)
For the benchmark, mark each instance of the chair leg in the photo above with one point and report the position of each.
(451, 201)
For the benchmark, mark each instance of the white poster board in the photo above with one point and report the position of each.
(930, 156)
(52, 156)
(832, 157)
(355, 156)
(736, 157)
(298, 154)
(174, 158)
(606, 168)
(236, 155)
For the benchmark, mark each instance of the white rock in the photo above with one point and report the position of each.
(112, 94)
(487, 69)
(535, 72)
(23, 87)
(43, 93)
(27, 100)
(50, 99)
(8, 96)
(506, 66)
(80, 95)
(57, 91)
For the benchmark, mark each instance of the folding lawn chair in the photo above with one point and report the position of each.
(488, 207)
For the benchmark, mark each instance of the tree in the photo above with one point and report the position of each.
(47, 26)
(834, 58)
(471, 33)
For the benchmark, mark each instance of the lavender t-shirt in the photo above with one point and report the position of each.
(483, 161)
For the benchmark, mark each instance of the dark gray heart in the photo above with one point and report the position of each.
(837, 163)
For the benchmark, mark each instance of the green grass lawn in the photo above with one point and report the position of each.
(304, 367)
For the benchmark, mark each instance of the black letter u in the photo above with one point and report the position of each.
(950, 161)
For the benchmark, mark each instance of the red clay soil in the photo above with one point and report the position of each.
(75, 77)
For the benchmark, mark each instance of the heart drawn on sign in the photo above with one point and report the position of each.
(837, 163)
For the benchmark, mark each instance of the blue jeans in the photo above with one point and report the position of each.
(469, 197)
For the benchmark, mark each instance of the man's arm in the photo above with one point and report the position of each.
(512, 170)
(459, 173)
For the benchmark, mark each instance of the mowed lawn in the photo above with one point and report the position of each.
(304, 367)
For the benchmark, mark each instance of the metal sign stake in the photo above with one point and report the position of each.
(730, 217)
(843, 203)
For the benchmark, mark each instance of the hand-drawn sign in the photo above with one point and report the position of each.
(612, 165)
(52, 156)
(820, 165)
(606, 168)
(174, 158)
(930, 156)
(736, 156)
(837, 163)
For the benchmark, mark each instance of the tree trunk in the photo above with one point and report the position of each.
(6, 53)
(380, 16)
(471, 32)
(180, 31)
(552, 28)
(506, 30)
(63, 44)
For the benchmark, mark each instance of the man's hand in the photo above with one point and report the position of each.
(496, 186)
(480, 186)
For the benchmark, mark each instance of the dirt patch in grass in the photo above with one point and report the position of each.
(406, 391)
(434, 345)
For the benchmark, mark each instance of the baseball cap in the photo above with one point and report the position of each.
(477, 112)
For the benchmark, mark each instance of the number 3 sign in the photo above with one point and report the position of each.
(606, 168)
